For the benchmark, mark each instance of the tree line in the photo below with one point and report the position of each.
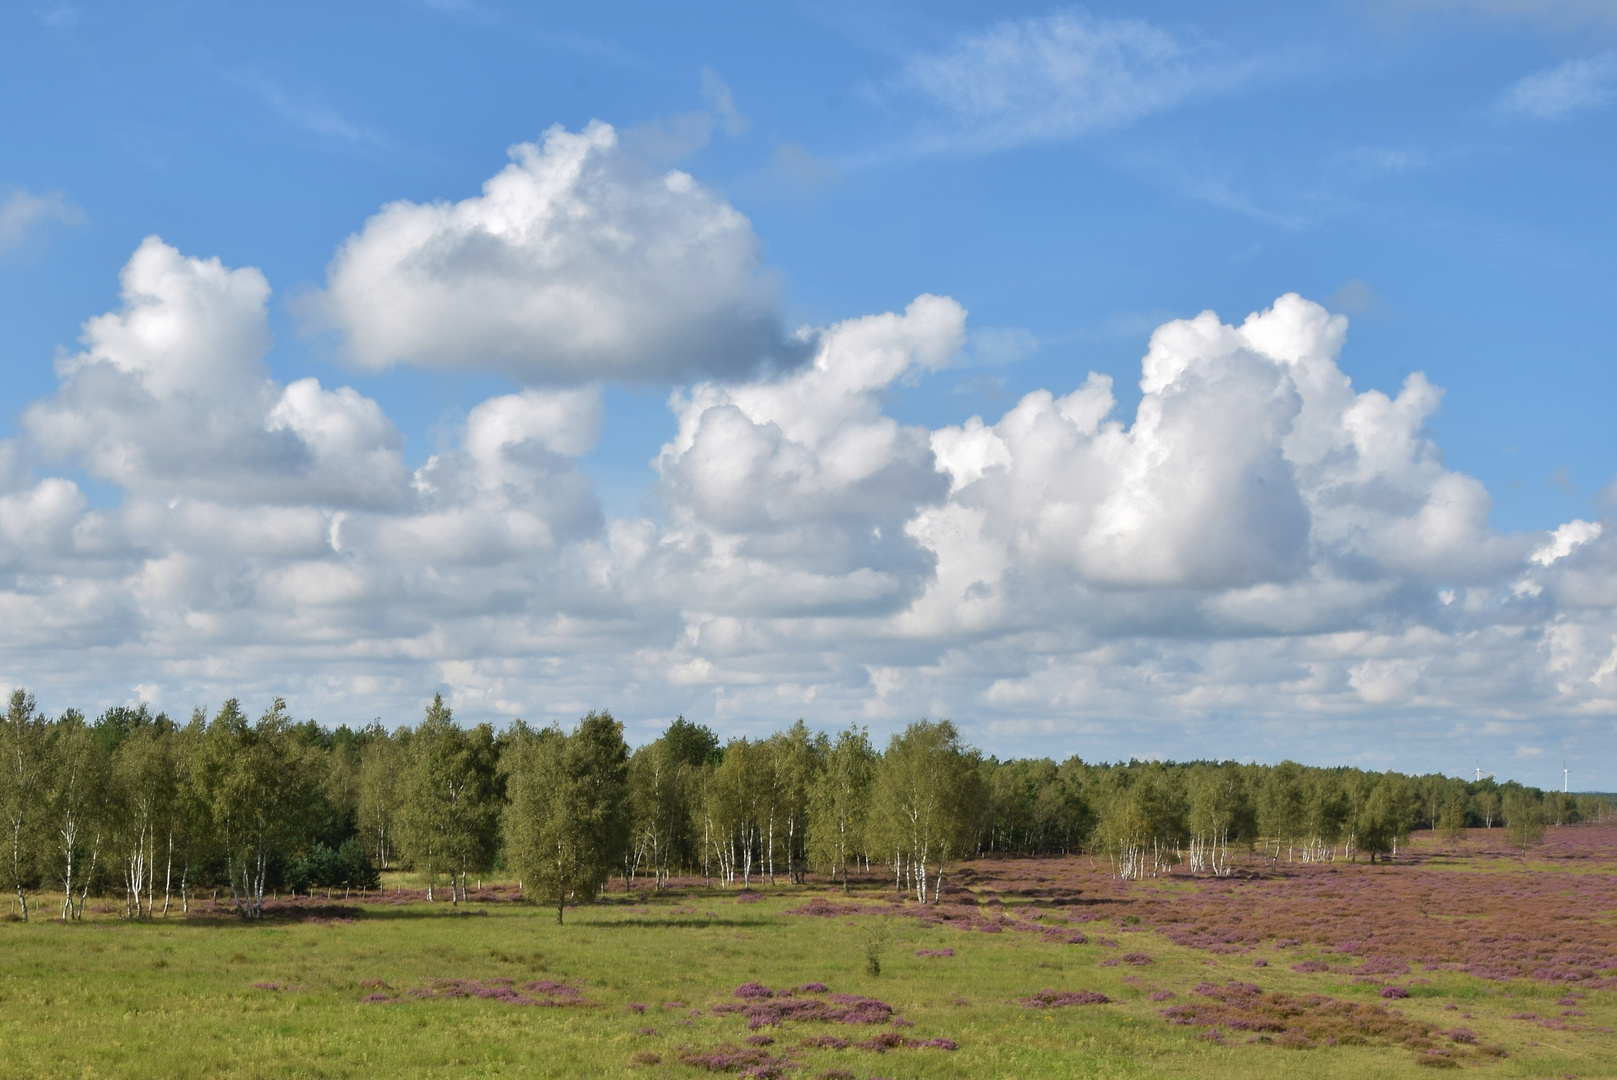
(155, 812)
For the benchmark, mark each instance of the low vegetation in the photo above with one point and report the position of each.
(270, 898)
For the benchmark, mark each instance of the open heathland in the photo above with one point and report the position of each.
(1459, 954)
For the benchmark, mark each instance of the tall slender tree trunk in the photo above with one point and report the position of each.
(168, 871)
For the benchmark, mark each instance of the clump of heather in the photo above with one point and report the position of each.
(1057, 999)
(542, 992)
(752, 1061)
(767, 1008)
(1303, 1021)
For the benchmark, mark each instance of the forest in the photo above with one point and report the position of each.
(154, 813)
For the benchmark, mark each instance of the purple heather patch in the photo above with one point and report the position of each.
(1056, 999)
(543, 992)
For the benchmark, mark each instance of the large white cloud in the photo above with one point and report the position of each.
(577, 263)
(1262, 559)
(260, 522)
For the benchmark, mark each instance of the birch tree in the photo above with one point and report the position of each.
(1487, 804)
(796, 759)
(1218, 810)
(1281, 808)
(839, 805)
(143, 794)
(381, 796)
(78, 782)
(24, 762)
(927, 800)
(567, 821)
(259, 784)
(449, 811)
(657, 797)
(1524, 817)
(1384, 821)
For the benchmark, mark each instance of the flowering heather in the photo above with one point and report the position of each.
(880, 1043)
(1394, 992)
(767, 1008)
(1136, 958)
(1056, 999)
(813, 988)
(1382, 965)
(747, 1060)
(541, 992)
(1161, 995)
(1307, 1020)
(1308, 966)
(1425, 910)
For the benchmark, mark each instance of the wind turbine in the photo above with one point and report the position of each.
(1566, 779)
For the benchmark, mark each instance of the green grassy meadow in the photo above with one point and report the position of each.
(177, 997)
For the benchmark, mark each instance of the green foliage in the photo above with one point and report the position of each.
(567, 820)
(691, 744)
(24, 762)
(348, 867)
(135, 806)
(839, 804)
(927, 801)
(449, 812)
(1524, 816)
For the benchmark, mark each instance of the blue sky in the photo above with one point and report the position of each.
(1074, 178)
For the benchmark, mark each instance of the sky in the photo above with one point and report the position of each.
(1141, 380)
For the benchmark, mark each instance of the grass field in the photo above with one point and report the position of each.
(628, 987)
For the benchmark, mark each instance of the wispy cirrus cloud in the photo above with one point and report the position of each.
(1059, 76)
(311, 115)
(1579, 83)
(1558, 13)
(23, 211)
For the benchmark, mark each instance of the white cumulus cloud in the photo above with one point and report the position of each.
(576, 264)
(1258, 553)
